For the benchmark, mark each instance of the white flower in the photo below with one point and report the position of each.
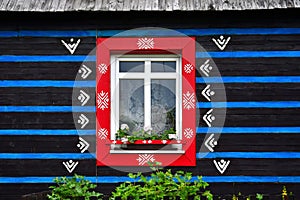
(124, 127)
(124, 139)
(147, 128)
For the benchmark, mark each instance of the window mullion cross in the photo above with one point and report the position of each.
(147, 94)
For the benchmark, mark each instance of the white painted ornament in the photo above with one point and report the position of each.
(207, 93)
(209, 118)
(102, 100)
(210, 143)
(189, 100)
(70, 165)
(83, 97)
(83, 145)
(221, 42)
(206, 68)
(83, 121)
(145, 158)
(84, 71)
(221, 165)
(71, 46)
(145, 43)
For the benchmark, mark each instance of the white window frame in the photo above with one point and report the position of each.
(147, 75)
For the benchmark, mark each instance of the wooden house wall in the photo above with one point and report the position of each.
(262, 142)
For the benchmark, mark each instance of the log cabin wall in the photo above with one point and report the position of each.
(260, 70)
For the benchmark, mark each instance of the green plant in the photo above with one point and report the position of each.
(162, 184)
(259, 196)
(75, 187)
(146, 134)
(284, 193)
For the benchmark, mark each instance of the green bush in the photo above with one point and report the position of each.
(162, 184)
(75, 187)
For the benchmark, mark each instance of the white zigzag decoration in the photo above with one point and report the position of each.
(188, 133)
(144, 158)
(102, 68)
(102, 133)
(145, 43)
(102, 100)
(189, 100)
(188, 68)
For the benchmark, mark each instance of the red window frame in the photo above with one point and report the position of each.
(185, 46)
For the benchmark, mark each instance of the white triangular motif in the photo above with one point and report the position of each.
(207, 92)
(222, 165)
(102, 100)
(82, 145)
(144, 158)
(145, 43)
(71, 46)
(83, 97)
(102, 68)
(70, 165)
(210, 143)
(84, 71)
(188, 133)
(188, 68)
(83, 120)
(209, 118)
(221, 42)
(189, 100)
(102, 133)
(206, 68)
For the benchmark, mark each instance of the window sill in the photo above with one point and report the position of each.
(149, 148)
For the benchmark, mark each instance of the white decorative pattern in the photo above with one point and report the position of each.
(188, 68)
(84, 71)
(102, 133)
(102, 100)
(70, 165)
(221, 42)
(145, 43)
(188, 133)
(221, 165)
(83, 145)
(144, 158)
(102, 68)
(189, 100)
(72, 46)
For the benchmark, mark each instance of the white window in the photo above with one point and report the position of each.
(146, 92)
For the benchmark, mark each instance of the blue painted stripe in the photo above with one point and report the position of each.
(47, 109)
(200, 130)
(201, 32)
(120, 179)
(47, 156)
(206, 155)
(47, 58)
(249, 79)
(250, 104)
(86, 33)
(194, 32)
(247, 54)
(46, 83)
(244, 155)
(248, 130)
(56, 132)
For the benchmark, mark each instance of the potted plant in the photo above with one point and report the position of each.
(162, 184)
(73, 188)
(144, 139)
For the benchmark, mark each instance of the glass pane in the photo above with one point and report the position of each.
(163, 105)
(163, 66)
(131, 105)
(131, 66)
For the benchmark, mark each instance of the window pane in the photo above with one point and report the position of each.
(131, 105)
(163, 105)
(163, 66)
(131, 66)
